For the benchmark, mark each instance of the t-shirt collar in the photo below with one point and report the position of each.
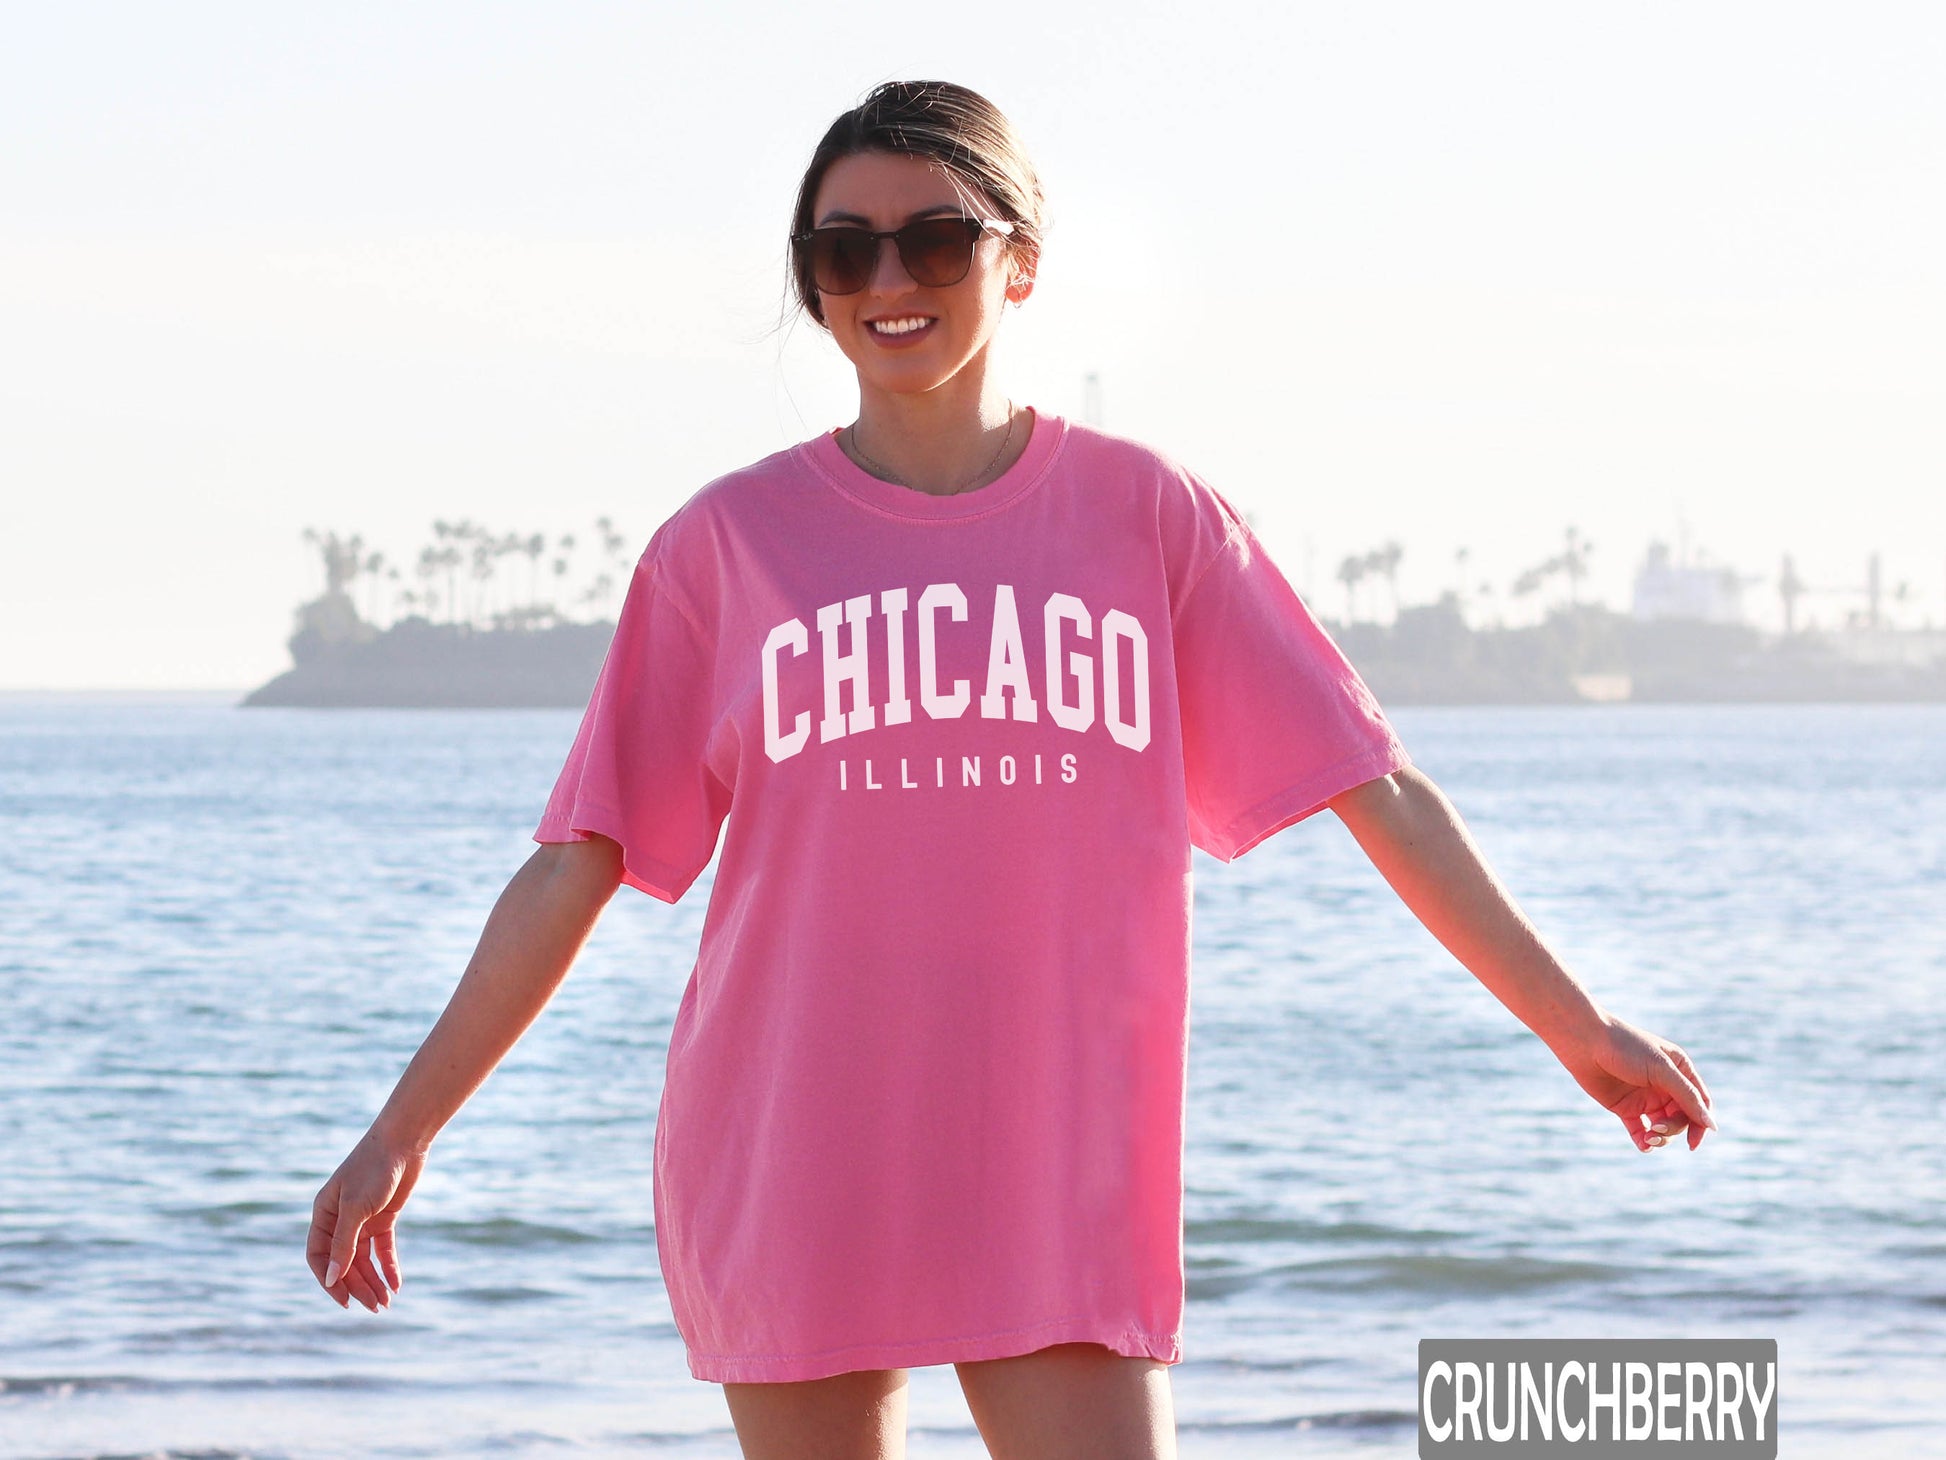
(1044, 440)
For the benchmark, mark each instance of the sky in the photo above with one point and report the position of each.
(1459, 277)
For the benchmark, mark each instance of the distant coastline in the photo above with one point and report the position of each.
(1587, 653)
(1683, 643)
(417, 664)
(1426, 656)
(499, 647)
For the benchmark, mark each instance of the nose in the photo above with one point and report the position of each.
(888, 270)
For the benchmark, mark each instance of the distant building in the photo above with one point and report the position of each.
(1665, 588)
(1905, 648)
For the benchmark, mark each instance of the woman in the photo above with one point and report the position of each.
(975, 680)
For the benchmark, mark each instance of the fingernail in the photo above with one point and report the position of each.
(331, 1274)
(1656, 1141)
(1661, 1128)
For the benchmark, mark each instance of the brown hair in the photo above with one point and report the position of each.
(958, 129)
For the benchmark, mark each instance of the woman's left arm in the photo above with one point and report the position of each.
(1416, 839)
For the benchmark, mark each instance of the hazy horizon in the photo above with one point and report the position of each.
(1458, 280)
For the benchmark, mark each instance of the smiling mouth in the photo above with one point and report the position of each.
(904, 324)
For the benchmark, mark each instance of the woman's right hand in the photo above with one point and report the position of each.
(354, 1223)
(531, 937)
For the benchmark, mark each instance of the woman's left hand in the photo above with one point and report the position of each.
(1636, 1074)
(1416, 839)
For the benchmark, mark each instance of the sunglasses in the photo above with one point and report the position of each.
(936, 252)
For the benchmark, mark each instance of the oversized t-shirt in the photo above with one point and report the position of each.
(925, 1087)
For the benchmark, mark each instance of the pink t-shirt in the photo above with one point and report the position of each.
(925, 1087)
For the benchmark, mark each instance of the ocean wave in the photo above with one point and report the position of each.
(508, 1232)
(1441, 1273)
(59, 1386)
(1289, 1229)
(510, 1294)
(62, 1386)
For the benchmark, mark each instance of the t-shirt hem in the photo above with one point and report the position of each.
(789, 1368)
(1294, 803)
(662, 880)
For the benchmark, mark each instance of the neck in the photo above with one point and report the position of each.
(938, 441)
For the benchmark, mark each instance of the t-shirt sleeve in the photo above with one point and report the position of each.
(1275, 721)
(638, 771)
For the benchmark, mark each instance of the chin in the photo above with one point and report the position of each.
(907, 384)
(913, 378)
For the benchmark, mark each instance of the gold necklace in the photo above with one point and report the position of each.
(880, 470)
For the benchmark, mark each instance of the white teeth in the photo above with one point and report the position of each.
(899, 326)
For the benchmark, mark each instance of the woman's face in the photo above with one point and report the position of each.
(939, 329)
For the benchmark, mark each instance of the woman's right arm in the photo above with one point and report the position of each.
(536, 928)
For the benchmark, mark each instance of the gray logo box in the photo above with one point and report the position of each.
(1649, 1397)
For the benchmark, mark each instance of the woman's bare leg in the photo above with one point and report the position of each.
(1073, 1401)
(855, 1416)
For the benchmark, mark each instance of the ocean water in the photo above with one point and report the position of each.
(223, 933)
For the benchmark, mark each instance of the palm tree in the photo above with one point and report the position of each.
(428, 565)
(533, 546)
(1532, 578)
(371, 567)
(614, 544)
(1386, 560)
(1350, 572)
(612, 541)
(449, 558)
(483, 554)
(341, 560)
(1574, 562)
(597, 591)
(496, 548)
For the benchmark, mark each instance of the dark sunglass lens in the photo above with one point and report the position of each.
(841, 259)
(938, 251)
